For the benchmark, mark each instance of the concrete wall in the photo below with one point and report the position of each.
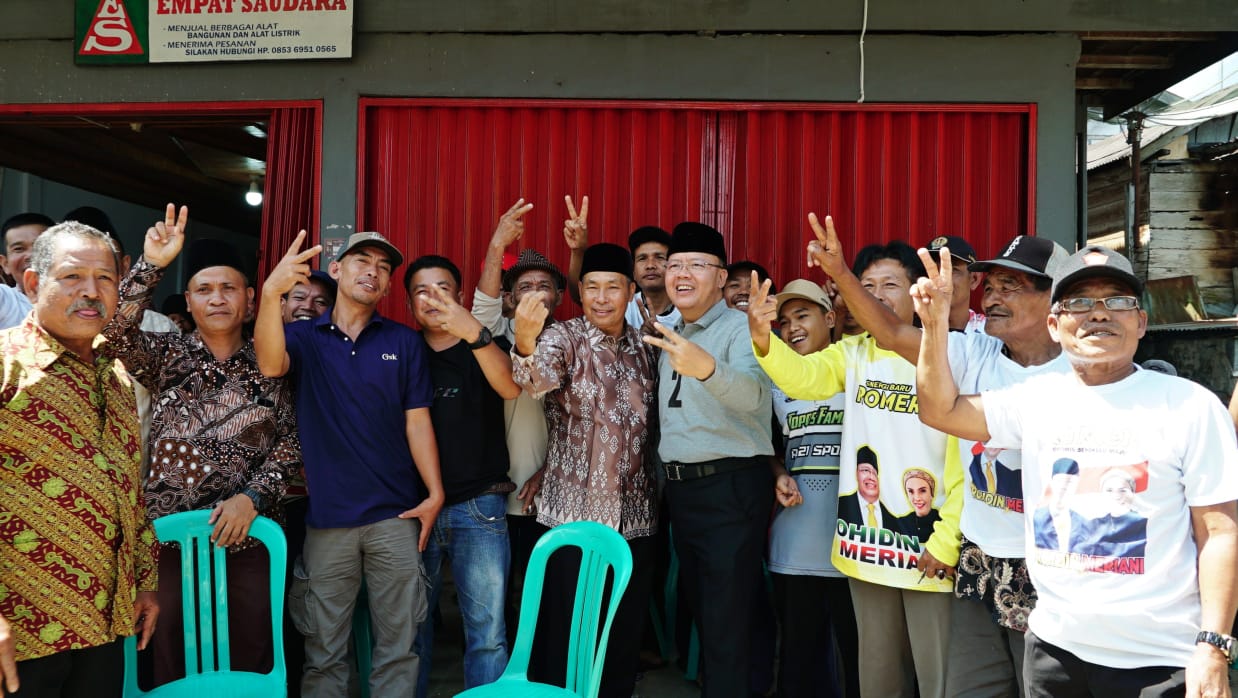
(716, 49)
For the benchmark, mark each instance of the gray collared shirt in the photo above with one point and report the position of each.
(727, 415)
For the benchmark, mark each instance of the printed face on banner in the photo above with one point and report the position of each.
(1091, 517)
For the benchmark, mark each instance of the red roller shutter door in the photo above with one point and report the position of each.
(436, 174)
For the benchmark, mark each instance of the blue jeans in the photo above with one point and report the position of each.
(473, 535)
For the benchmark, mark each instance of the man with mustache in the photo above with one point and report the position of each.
(994, 595)
(70, 421)
(310, 299)
(223, 436)
(1145, 625)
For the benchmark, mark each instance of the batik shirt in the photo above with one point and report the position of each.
(75, 544)
(219, 427)
(599, 391)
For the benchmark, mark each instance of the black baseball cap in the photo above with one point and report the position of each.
(1091, 262)
(1033, 255)
(960, 249)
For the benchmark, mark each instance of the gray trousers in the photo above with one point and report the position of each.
(336, 559)
(903, 639)
(985, 659)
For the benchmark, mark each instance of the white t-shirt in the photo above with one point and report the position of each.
(669, 319)
(882, 422)
(14, 306)
(992, 480)
(1114, 562)
(527, 435)
(814, 432)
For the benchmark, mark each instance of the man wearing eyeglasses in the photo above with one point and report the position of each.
(1107, 619)
(993, 595)
(715, 418)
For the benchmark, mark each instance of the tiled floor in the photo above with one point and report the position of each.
(446, 676)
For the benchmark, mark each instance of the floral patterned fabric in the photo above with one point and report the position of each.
(1001, 584)
(599, 393)
(218, 427)
(75, 544)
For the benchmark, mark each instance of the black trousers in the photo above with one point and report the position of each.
(249, 618)
(719, 528)
(808, 609)
(548, 663)
(1052, 672)
(94, 672)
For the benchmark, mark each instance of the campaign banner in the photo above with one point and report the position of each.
(888, 506)
(195, 31)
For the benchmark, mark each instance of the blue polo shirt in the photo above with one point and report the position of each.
(351, 399)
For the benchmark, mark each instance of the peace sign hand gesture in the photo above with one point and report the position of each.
(825, 251)
(165, 238)
(762, 311)
(687, 358)
(511, 225)
(576, 227)
(293, 269)
(931, 294)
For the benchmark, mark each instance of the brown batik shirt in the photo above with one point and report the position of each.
(218, 428)
(599, 394)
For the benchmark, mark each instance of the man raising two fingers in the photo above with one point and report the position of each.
(371, 462)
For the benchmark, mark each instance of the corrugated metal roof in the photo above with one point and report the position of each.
(1228, 324)
(1164, 127)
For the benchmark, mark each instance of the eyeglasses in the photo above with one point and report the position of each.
(1083, 305)
(693, 267)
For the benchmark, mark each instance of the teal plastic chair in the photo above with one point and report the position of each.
(204, 602)
(602, 550)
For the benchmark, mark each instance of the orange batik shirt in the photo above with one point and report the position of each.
(75, 543)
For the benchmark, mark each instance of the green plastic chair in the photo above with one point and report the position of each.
(214, 676)
(602, 550)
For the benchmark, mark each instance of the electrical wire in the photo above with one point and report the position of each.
(863, 31)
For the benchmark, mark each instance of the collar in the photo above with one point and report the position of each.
(716, 311)
(246, 352)
(325, 320)
(46, 349)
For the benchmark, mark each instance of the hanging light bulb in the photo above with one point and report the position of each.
(253, 197)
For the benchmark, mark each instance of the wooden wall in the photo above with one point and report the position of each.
(1190, 209)
(1193, 216)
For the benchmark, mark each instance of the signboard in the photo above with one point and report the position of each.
(184, 31)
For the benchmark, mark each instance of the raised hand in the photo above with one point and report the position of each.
(647, 325)
(511, 225)
(165, 238)
(687, 358)
(762, 312)
(825, 251)
(293, 269)
(931, 294)
(452, 317)
(576, 227)
(530, 318)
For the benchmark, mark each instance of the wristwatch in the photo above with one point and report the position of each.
(483, 339)
(1225, 643)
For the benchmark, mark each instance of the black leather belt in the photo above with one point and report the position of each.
(677, 472)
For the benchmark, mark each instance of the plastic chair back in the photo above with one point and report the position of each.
(204, 604)
(602, 551)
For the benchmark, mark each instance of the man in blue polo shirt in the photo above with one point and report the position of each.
(371, 462)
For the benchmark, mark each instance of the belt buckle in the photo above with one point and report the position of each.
(674, 471)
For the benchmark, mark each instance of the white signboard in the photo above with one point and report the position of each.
(178, 31)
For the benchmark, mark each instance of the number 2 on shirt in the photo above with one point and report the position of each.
(675, 401)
